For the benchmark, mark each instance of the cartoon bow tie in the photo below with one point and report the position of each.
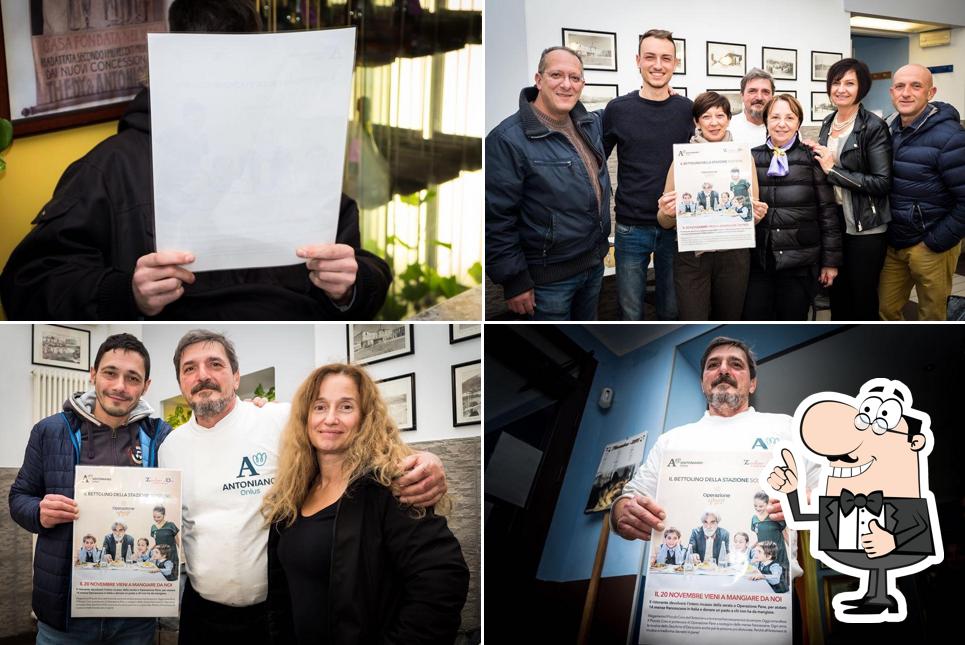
(873, 502)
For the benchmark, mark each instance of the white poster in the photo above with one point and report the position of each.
(124, 551)
(714, 185)
(717, 572)
(248, 137)
(619, 462)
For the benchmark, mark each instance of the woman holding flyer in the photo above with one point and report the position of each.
(709, 284)
(799, 244)
(400, 573)
(854, 151)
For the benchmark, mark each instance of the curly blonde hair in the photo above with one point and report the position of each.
(376, 450)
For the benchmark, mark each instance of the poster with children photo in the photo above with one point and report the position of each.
(718, 554)
(126, 542)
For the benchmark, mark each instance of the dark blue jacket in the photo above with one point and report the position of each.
(541, 209)
(928, 191)
(48, 468)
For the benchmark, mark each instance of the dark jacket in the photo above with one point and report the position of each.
(698, 542)
(395, 579)
(110, 547)
(54, 448)
(801, 227)
(928, 192)
(543, 223)
(864, 168)
(78, 261)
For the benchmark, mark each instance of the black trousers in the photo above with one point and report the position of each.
(711, 286)
(203, 621)
(780, 295)
(854, 293)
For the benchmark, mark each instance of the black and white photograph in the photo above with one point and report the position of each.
(617, 465)
(374, 343)
(459, 332)
(398, 393)
(821, 62)
(597, 48)
(780, 63)
(791, 92)
(466, 393)
(734, 97)
(726, 59)
(58, 346)
(681, 45)
(821, 106)
(595, 96)
(682, 91)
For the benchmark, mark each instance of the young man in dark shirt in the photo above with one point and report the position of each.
(643, 126)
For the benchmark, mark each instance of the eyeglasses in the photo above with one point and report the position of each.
(558, 77)
(879, 426)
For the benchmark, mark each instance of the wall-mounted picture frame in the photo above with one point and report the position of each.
(726, 59)
(467, 393)
(821, 62)
(682, 91)
(73, 63)
(791, 92)
(780, 63)
(734, 97)
(595, 96)
(459, 332)
(60, 346)
(597, 48)
(681, 45)
(374, 343)
(398, 393)
(821, 106)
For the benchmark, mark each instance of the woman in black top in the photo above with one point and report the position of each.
(854, 151)
(347, 563)
(799, 242)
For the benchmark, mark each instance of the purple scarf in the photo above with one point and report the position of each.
(778, 167)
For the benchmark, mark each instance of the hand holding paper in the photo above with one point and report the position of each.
(332, 268)
(159, 280)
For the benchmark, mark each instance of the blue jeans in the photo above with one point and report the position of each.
(574, 298)
(117, 631)
(633, 247)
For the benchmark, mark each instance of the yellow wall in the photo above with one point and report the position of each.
(34, 164)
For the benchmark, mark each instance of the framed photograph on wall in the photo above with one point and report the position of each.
(375, 343)
(734, 96)
(821, 62)
(780, 63)
(726, 59)
(595, 96)
(681, 45)
(59, 346)
(398, 393)
(597, 48)
(821, 106)
(682, 91)
(791, 92)
(467, 393)
(73, 63)
(459, 332)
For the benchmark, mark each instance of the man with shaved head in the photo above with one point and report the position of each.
(927, 198)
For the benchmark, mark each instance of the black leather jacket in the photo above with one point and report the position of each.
(864, 168)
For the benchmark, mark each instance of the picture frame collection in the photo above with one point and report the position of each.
(371, 343)
(722, 59)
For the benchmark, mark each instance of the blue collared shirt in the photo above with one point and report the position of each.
(898, 132)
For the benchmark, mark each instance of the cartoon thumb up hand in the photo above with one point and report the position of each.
(784, 478)
(878, 542)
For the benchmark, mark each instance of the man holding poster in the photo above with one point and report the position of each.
(107, 426)
(729, 428)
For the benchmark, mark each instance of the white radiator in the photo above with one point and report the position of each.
(51, 387)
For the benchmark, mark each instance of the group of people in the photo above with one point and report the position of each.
(268, 561)
(869, 209)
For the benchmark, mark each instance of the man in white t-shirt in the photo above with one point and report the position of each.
(228, 455)
(730, 424)
(757, 88)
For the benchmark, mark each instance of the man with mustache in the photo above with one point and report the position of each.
(109, 425)
(757, 88)
(228, 454)
(730, 424)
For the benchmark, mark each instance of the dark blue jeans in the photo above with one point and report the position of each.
(118, 631)
(633, 246)
(574, 298)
